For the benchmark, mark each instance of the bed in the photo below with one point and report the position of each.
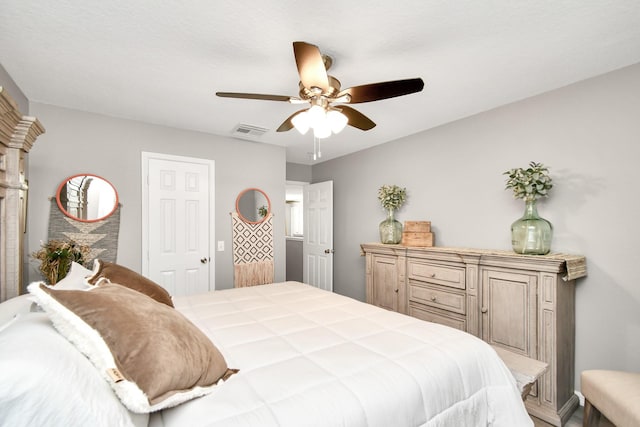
(306, 357)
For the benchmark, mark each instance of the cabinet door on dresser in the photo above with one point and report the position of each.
(509, 310)
(385, 270)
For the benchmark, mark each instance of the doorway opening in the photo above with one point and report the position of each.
(294, 229)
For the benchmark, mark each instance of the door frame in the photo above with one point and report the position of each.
(144, 181)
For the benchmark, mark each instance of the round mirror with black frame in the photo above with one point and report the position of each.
(253, 205)
(87, 197)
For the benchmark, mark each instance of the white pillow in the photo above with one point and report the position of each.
(75, 278)
(45, 380)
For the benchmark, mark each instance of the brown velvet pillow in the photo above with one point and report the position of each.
(151, 355)
(122, 275)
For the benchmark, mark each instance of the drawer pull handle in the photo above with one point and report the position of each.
(432, 275)
(396, 291)
(433, 298)
(484, 309)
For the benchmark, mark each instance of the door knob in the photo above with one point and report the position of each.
(204, 260)
(484, 309)
(328, 251)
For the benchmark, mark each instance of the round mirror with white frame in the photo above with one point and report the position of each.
(253, 205)
(87, 197)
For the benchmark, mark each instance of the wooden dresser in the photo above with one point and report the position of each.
(521, 303)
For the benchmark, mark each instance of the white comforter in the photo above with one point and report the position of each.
(308, 357)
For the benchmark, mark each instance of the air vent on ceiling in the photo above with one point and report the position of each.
(250, 132)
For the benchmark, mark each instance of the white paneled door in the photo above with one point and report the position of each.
(317, 250)
(177, 218)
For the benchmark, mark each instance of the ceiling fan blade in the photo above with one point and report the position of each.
(288, 124)
(310, 66)
(356, 118)
(255, 96)
(383, 90)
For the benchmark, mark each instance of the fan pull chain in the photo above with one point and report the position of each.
(316, 148)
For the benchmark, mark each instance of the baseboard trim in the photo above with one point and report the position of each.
(580, 396)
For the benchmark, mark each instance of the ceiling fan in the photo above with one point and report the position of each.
(327, 112)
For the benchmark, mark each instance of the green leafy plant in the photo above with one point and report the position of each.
(262, 211)
(56, 256)
(392, 196)
(530, 183)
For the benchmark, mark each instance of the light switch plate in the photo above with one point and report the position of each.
(220, 245)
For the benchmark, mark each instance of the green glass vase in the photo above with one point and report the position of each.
(390, 229)
(531, 234)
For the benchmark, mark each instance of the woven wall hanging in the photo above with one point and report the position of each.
(252, 252)
(100, 236)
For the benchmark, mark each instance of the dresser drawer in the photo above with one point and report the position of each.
(439, 274)
(433, 315)
(437, 296)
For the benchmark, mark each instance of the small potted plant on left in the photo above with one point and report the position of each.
(56, 256)
(391, 198)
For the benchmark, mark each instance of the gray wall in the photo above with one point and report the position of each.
(298, 172)
(587, 133)
(78, 142)
(294, 259)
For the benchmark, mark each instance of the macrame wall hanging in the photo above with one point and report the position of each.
(252, 251)
(100, 236)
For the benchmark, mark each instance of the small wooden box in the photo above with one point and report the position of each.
(417, 239)
(417, 226)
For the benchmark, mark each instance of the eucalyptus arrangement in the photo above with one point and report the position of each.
(56, 256)
(391, 198)
(530, 183)
(530, 234)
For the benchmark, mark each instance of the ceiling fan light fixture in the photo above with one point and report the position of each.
(323, 121)
(322, 130)
(301, 122)
(337, 120)
(317, 115)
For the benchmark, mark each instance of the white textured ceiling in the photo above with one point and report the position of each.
(162, 61)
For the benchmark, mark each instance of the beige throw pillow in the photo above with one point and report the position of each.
(151, 355)
(122, 275)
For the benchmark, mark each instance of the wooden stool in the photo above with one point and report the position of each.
(614, 394)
